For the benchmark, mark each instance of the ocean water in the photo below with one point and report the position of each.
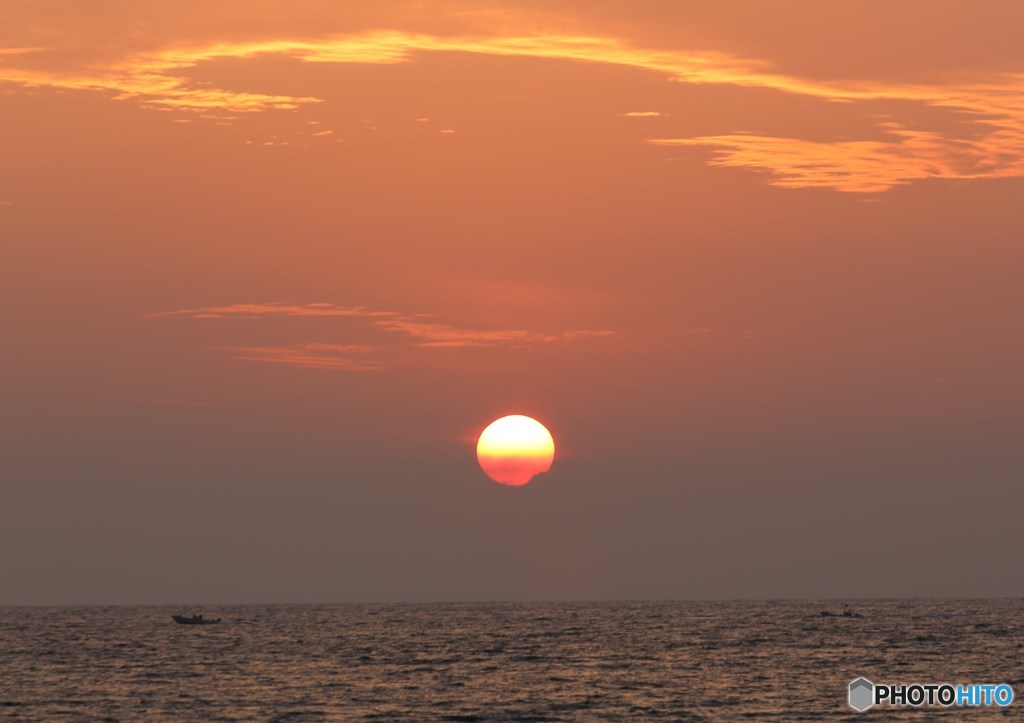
(543, 662)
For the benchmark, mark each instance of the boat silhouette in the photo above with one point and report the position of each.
(194, 620)
(846, 613)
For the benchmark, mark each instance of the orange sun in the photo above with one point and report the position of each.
(513, 449)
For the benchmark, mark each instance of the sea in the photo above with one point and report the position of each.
(502, 661)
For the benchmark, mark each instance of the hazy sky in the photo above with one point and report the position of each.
(268, 269)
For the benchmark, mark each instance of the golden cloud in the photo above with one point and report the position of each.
(993, 149)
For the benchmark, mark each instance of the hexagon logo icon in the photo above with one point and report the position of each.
(862, 694)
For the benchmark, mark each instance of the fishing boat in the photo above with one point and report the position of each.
(846, 613)
(194, 620)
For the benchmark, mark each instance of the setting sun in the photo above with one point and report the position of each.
(514, 449)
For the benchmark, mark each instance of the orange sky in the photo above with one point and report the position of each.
(756, 267)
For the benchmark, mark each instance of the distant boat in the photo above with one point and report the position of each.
(194, 620)
(846, 613)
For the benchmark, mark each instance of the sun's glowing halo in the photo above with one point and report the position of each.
(514, 449)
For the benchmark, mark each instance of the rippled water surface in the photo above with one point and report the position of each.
(583, 661)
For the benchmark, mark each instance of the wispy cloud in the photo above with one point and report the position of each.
(160, 77)
(643, 114)
(333, 357)
(424, 330)
(437, 335)
(253, 311)
(866, 166)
